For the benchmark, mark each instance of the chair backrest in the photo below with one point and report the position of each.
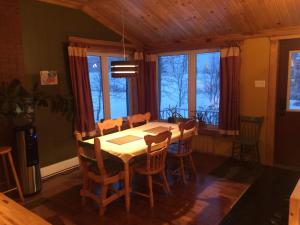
(138, 118)
(90, 154)
(110, 124)
(187, 132)
(250, 127)
(157, 150)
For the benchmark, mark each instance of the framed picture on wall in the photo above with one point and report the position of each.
(49, 77)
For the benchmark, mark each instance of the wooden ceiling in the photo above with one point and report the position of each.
(159, 24)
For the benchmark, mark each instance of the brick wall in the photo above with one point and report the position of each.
(11, 52)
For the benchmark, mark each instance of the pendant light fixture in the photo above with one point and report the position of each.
(125, 68)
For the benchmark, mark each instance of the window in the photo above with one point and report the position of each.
(190, 83)
(208, 86)
(109, 95)
(117, 93)
(96, 86)
(173, 72)
(293, 93)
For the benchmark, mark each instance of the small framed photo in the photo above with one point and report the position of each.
(49, 77)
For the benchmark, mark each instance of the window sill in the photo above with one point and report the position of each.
(210, 131)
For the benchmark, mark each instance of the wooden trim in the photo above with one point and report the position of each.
(217, 41)
(284, 37)
(96, 46)
(95, 42)
(271, 107)
(66, 3)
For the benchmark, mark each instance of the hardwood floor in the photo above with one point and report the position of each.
(205, 200)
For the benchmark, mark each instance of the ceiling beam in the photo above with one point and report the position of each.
(218, 41)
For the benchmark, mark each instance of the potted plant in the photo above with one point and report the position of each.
(17, 106)
(200, 116)
(173, 115)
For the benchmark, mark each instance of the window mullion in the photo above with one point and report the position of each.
(105, 80)
(192, 82)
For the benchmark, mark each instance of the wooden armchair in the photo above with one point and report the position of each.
(248, 138)
(110, 124)
(183, 149)
(155, 162)
(98, 173)
(138, 118)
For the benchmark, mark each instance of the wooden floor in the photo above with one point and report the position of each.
(205, 200)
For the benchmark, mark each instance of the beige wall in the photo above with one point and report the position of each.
(254, 66)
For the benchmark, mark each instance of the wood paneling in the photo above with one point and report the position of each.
(270, 118)
(154, 23)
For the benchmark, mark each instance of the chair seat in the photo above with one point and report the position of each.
(244, 141)
(112, 166)
(4, 149)
(173, 151)
(141, 168)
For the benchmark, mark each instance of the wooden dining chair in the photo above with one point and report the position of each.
(138, 118)
(183, 149)
(248, 138)
(155, 162)
(110, 124)
(98, 173)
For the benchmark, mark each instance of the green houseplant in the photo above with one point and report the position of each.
(173, 115)
(18, 106)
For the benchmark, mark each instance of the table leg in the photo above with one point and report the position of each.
(127, 186)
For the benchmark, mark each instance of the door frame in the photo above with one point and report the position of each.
(272, 93)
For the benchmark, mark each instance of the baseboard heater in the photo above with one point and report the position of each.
(59, 168)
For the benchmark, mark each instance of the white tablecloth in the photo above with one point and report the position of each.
(135, 148)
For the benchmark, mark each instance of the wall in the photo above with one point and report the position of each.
(45, 31)
(255, 55)
(11, 52)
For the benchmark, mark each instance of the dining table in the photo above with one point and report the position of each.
(130, 143)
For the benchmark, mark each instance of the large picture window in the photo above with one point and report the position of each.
(173, 73)
(112, 103)
(117, 93)
(208, 86)
(189, 84)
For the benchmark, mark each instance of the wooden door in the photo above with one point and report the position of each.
(287, 143)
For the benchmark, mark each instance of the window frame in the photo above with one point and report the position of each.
(289, 83)
(105, 82)
(192, 75)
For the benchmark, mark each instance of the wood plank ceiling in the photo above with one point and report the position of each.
(156, 24)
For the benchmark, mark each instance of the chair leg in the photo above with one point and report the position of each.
(6, 170)
(233, 150)
(104, 190)
(182, 170)
(15, 176)
(166, 184)
(257, 152)
(150, 190)
(193, 165)
(85, 188)
(241, 152)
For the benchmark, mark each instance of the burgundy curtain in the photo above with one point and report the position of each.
(229, 91)
(151, 95)
(147, 85)
(84, 116)
(140, 82)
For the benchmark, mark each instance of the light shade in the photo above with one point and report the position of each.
(124, 69)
